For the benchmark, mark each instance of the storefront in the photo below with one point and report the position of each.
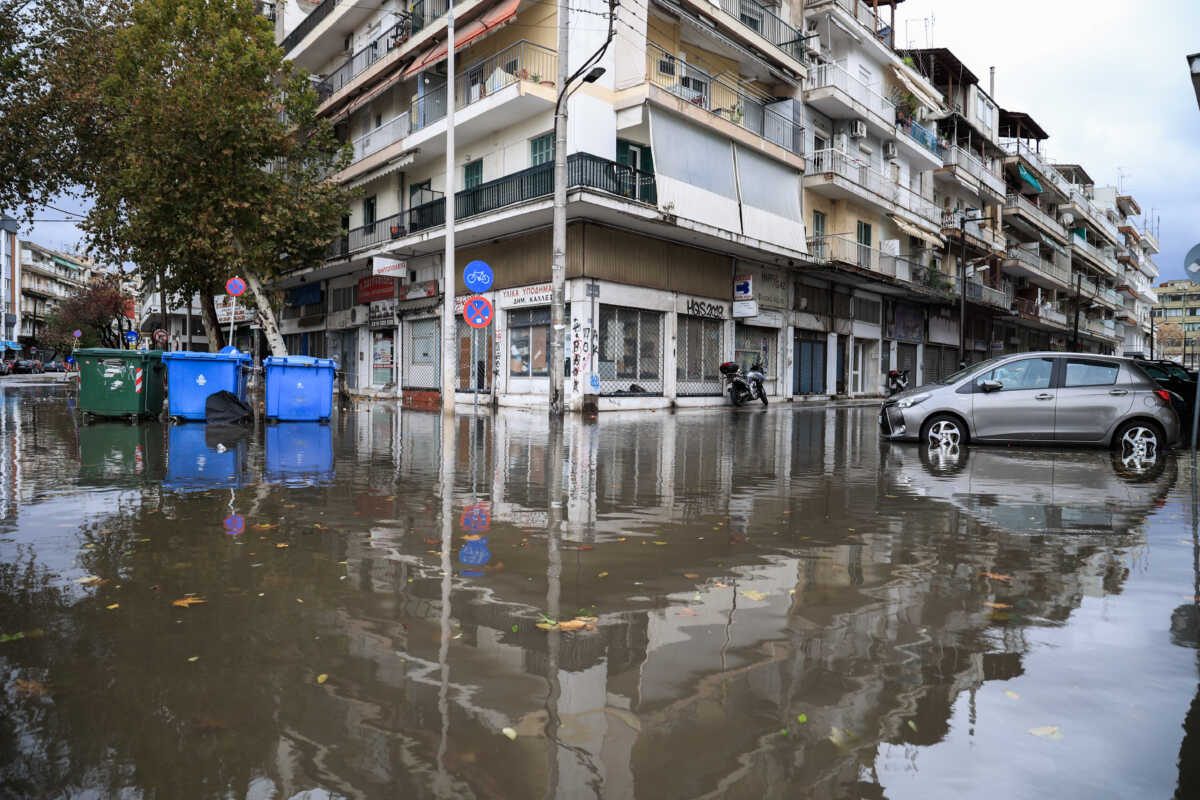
(941, 345)
(418, 306)
(525, 312)
(630, 361)
(379, 293)
(765, 293)
(904, 331)
(699, 346)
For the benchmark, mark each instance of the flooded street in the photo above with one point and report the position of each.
(784, 607)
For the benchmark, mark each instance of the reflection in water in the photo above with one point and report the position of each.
(787, 608)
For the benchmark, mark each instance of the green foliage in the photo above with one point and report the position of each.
(98, 311)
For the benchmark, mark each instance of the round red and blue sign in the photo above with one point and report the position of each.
(235, 286)
(477, 311)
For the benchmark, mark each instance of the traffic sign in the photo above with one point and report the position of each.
(478, 276)
(160, 336)
(235, 286)
(131, 336)
(1191, 263)
(477, 311)
(477, 518)
(77, 333)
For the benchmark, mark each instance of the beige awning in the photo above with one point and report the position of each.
(931, 237)
(923, 95)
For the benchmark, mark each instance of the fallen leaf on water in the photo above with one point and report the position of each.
(281, 545)
(660, 544)
(891, 496)
(322, 678)
(189, 601)
(1051, 732)
(194, 658)
(719, 585)
(289, 505)
(686, 612)
(114, 605)
(620, 538)
(298, 600)
(546, 626)
(990, 604)
(470, 537)
(320, 527)
(11, 637)
(996, 577)
(691, 576)
(602, 575)
(264, 526)
(88, 580)
(571, 625)
(510, 733)
(802, 718)
(31, 688)
(1012, 695)
(912, 725)
(753, 595)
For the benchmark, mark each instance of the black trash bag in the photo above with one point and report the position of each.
(224, 408)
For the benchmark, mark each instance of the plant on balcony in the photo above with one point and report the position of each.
(737, 114)
(396, 230)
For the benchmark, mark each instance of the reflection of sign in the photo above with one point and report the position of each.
(477, 276)
(131, 336)
(695, 307)
(376, 287)
(235, 286)
(235, 524)
(477, 518)
(475, 553)
(381, 351)
(478, 312)
(538, 295)
(388, 267)
(381, 314)
(743, 288)
(745, 308)
(417, 291)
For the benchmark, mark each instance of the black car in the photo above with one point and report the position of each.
(26, 366)
(1179, 382)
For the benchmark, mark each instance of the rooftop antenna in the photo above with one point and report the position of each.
(932, 20)
(1121, 176)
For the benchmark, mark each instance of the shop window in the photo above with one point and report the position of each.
(382, 350)
(751, 344)
(423, 355)
(630, 351)
(699, 353)
(529, 342)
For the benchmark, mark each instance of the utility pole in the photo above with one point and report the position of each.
(449, 329)
(1078, 288)
(962, 291)
(558, 251)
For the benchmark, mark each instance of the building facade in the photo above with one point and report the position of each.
(10, 270)
(1177, 322)
(47, 277)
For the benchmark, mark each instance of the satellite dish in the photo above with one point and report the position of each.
(1191, 263)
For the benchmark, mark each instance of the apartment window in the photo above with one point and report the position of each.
(864, 233)
(343, 298)
(529, 342)
(369, 214)
(818, 223)
(473, 174)
(419, 193)
(986, 111)
(751, 17)
(541, 149)
(1174, 312)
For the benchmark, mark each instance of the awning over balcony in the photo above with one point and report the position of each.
(923, 95)
(1028, 178)
(472, 31)
(935, 239)
(389, 79)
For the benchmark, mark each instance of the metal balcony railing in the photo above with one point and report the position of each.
(975, 168)
(1016, 202)
(922, 136)
(859, 173)
(389, 40)
(521, 61)
(1030, 257)
(834, 75)
(722, 99)
(843, 248)
(988, 295)
(1037, 161)
(766, 24)
(391, 131)
(307, 24)
(864, 15)
(425, 12)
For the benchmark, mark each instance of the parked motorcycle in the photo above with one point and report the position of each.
(744, 387)
(897, 381)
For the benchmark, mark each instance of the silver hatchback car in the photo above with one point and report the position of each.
(1074, 398)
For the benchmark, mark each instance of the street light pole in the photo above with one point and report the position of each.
(558, 251)
(1078, 289)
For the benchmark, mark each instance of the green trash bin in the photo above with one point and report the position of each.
(120, 383)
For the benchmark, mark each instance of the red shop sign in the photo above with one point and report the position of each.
(376, 287)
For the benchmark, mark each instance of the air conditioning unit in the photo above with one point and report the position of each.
(841, 142)
(889, 151)
(858, 129)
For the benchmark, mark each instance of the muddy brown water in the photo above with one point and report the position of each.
(784, 607)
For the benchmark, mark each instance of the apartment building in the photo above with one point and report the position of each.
(1177, 320)
(1138, 272)
(684, 166)
(47, 277)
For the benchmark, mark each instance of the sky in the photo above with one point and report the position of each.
(1107, 79)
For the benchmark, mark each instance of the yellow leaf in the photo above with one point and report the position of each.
(114, 605)
(194, 658)
(571, 625)
(753, 595)
(189, 601)
(472, 537)
(602, 575)
(1051, 732)
(546, 626)
(660, 544)
(281, 545)
(322, 678)
(990, 604)
(691, 576)
(263, 526)
(88, 580)
(996, 577)
(1012, 695)
(510, 733)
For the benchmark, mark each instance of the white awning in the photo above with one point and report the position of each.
(931, 237)
(923, 95)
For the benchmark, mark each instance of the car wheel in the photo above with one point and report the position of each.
(1138, 440)
(943, 430)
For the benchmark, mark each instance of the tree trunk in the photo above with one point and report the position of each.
(266, 316)
(212, 329)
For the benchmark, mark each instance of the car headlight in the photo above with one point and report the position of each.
(909, 402)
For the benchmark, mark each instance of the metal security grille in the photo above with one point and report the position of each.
(483, 357)
(752, 344)
(699, 354)
(630, 360)
(422, 355)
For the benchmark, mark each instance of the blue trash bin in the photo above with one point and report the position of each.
(299, 388)
(201, 457)
(192, 377)
(299, 453)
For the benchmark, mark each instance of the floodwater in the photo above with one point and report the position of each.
(784, 607)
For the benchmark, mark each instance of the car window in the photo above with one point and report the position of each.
(1090, 373)
(1175, 371)
(1028, 373)
(954, 377)
(1154, 371)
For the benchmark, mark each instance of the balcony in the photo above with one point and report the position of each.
(354, 66)
(1015, 203)
(859, 98)
(988, 295)
(1096, 215)
(1042, 312)
(389, 132)
(858, 10)
(842, 248)
(968, 163)
(307, 24)
(535, 183)
(1094, 254)
(986, 236)
(722, 99)
(1035, 160)
(867, 184)
(766, 24)
(1030, 260)
(922, 136)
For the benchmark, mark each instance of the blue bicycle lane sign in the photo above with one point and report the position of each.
(478, 276)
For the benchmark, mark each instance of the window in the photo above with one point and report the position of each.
(630, 351)
(1173, 312)
(541, 149)
(699, 354)
(751, 344)
(1090, 373)
(751, 17)
(529, 342)
(1028, 373)
(864, 244)
(867, 310)
(369, 214)
(473, 174)
(818, 223)
(343, 298)
(985, 112)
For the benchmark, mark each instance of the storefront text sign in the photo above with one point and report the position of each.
(538, 295)
(767, 285)
(388, 267)
(745, 308)
(382, 314)
(375, 288)
(743, 288)
(702, 307)
(416, 291)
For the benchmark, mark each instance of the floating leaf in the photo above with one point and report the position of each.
(660, 544)
(322, 678)
(88, 580)
(11, 637)
(1012, 695)
(686, 612)
(264, 526)
(298, 600)
(510, 733)
(194, 658)
(1051, 732)
(912, 725)
(691, 576)
(114, 605)
(515, 628)
(281, 545)
(470, 537)
(571, 625)
(996, 577)
(802, 718)
(990, 604)
(602, 575)
(31, 688)
(188, 602)
(546, 626)
(754, 595)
